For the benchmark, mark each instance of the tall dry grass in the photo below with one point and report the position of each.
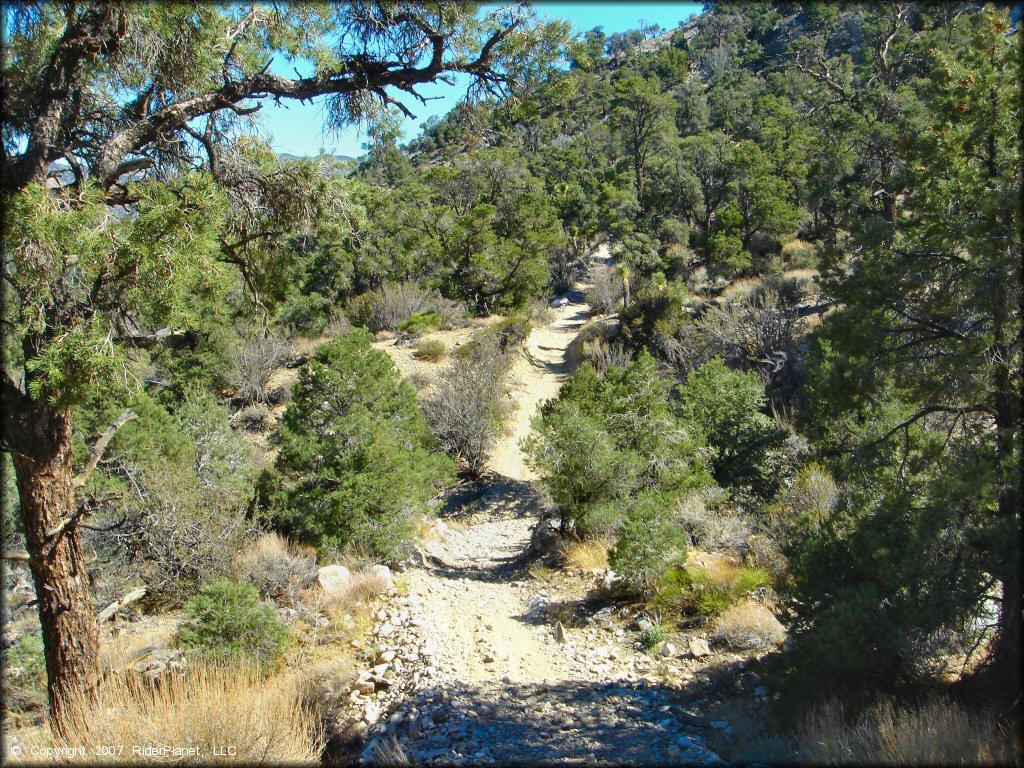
(251, 719)
(748, 624)
(587, 555)
(276, 567)
(939, 732)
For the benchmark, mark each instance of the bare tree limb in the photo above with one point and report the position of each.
(124, 602)
(71, 520)
(100, 446)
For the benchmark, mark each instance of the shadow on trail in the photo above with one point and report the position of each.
(496, 494)
(621, 722)
(499, 569)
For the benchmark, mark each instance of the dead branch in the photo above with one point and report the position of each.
(101, 446)
(124, 602)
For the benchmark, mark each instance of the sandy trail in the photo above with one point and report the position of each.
(474, 606)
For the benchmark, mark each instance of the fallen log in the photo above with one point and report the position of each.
(117, 605)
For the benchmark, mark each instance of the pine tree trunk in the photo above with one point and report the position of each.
(1009, 409)
(1007, 652)
(40, 437)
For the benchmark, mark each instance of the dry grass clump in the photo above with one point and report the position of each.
(262, 719)
(464, 411)
(275, 567)
(748, 624)
(364, 587)
(587, 555)
(800, 253)
(326, 685)
(253, 359)
(361, 589)
(602, 355)
(606, 290)
(389, 752)
(936, 733)
(712, 530)
(430, 350)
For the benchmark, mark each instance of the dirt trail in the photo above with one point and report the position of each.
(474, 609)
(497, 686)
(536, 376)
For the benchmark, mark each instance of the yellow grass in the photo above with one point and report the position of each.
(363, 587)
(721, 569)
(937, 733)
(748, 624)
(587, 555)
(215, 715)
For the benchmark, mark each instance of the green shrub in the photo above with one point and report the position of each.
(607, 439)
(421, 322)
(727, 254)
(655, 321)
(726, 405)
(653, 635)
(360, 310)
(227, 622)
(647, 540)
(706, 592)
(432, 350)
(357, 463)
(305, 314)
(179, 499)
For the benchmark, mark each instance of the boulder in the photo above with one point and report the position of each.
(609, 579)
(333, 578)
(371, 714)
(668, 650)
(560, 632)
(385, 574)
(699, 647)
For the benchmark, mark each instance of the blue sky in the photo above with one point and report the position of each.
(300, 128)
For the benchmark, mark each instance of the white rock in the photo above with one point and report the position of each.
(609, 579)
(386, 657)
(385, 573)
(332, 578)
(668, 650)
(699, 647)
(371, 714)
(560, 632)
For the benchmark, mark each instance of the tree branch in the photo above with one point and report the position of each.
(136, 594)
(101, 446)
(357, 73)
(911, 421)
(98, 31)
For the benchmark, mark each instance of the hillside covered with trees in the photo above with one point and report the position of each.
(703, 344)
